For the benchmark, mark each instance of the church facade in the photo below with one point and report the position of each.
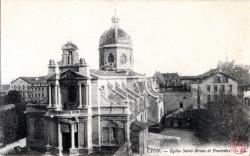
(91, 111)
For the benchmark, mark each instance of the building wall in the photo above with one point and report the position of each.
(39, 91)
(23, 86)
(37, 132)
(173, 100)
(94, 93)
(95, 132)
(205, 92)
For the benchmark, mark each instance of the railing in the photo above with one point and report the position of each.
(113, 110)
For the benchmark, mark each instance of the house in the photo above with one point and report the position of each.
(208, 86)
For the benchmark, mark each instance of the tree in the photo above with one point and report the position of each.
(240, 73)
(225, 119)
(13, 97)
(9, 124)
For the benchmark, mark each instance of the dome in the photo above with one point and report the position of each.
(115, 35)
(69, 46)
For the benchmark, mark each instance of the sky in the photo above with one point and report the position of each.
(188, 37)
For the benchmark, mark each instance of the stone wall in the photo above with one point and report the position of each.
(173, 100)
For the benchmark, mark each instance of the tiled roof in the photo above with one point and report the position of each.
(170, 75)
(189, 77)
(31, 79)
(139, 124)
(205, 75)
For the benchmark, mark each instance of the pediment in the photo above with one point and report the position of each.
(69, 75)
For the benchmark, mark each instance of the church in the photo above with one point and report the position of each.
(95, 111)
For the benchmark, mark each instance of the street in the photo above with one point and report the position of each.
(172, 138)
(187, 136)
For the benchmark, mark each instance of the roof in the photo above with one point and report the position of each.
(189, 77)
(115, 35)
(138, 125)
(205, 75)
(115, 73)
(30, 79)
(69, 46)
(170, 75)
(168, 79)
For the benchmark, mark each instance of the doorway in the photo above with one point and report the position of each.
(66, 141)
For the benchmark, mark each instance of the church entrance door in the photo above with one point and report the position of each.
(66, 141)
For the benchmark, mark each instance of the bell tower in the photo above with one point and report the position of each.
(115, 49)
(70, 54)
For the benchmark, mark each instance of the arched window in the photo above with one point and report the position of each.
(39, 129)
(69, 58)
(111, 58)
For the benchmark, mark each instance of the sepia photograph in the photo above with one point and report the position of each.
(125, 78)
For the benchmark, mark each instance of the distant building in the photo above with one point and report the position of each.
(39, 89)
(4, 89)
(208, 86)
(23, 85)
(193, 91)
(30, 88)
(176, 93)
(186, 95)
(165, 82)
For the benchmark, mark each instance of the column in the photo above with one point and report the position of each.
(56, 91)
(48, 134)
(49, 95)
(87, 94)
(81, 135)
(59, 97)
(72, 132)
(128, 134)
(80, 95)
(60, 147)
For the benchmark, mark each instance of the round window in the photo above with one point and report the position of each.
(110, 35)
(122, 36)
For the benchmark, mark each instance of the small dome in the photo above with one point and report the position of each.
(115, 35)
(69, 46)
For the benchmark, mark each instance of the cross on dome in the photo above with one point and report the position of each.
(115, 21)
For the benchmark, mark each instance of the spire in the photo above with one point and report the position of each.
(115, 21)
